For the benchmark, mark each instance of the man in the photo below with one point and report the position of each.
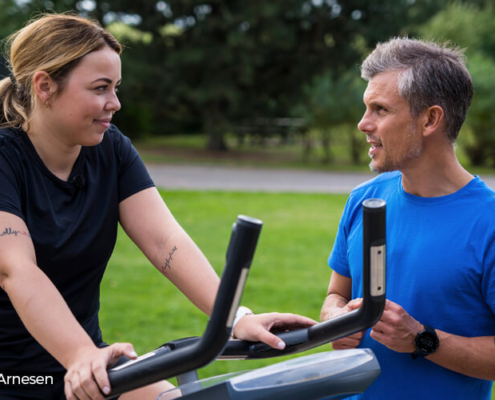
(435, 339)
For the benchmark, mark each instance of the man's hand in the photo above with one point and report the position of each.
(256, 328)
(396, 329)
(351, 341)
(87, 377)
(332, 312)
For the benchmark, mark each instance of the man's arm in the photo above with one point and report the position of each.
(469, 356)
(337, 303)
(338, 295)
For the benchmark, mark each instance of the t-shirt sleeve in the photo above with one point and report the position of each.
(10, 199)
(132, 173)
(338, 259)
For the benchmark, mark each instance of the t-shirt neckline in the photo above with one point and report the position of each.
(439, 199)
(76, 169)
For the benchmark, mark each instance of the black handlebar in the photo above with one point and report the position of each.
(374, 264)
(164, 363)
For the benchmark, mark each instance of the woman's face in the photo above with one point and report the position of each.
(81, 112)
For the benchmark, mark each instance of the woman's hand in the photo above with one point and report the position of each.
(87, 377)
(256, 328)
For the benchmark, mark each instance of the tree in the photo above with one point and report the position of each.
(469, 27)
(212, 63)
(331, 103)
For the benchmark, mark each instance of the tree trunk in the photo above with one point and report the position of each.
(216, 127)
(216, 141)
(325, 144)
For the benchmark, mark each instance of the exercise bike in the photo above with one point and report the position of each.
(332, 374)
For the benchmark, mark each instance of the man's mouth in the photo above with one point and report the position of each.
(375, 147)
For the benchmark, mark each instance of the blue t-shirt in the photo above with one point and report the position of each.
(440, 269)
(73, 226)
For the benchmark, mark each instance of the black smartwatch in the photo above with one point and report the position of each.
(426, 342)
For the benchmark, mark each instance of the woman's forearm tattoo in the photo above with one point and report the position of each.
(169, 259)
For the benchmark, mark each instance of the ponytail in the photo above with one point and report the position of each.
(14, 103)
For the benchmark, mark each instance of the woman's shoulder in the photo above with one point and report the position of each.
(115, 137)
(10, 140)
(8, 134)
(116, 144)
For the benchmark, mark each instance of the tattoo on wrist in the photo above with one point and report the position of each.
(10, 232)
(169, 259)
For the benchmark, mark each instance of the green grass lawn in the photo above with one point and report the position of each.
(289, 272)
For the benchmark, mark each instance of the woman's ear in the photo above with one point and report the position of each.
(44, 86)
(433, 120)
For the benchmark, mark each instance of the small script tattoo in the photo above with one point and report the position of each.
(169, 259)
(9, 232)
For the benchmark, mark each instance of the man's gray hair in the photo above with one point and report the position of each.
(431, 74)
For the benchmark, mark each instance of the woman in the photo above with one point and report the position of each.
(67, 178)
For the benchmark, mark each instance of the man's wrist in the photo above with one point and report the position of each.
(426, 342)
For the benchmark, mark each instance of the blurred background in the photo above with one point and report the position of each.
(271, 82)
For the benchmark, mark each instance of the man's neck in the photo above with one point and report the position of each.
(435, 175)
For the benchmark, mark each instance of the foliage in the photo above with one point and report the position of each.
(212, 63)
(334, 104)
(192, 66)
(469, 26)
(481, 117)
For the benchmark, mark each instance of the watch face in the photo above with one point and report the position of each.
(427, 342)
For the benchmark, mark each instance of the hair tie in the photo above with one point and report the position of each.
(12, 79)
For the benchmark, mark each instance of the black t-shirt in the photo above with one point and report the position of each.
(73, 226)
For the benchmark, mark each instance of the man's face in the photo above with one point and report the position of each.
(396, 141)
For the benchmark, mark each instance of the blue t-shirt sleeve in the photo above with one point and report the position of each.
(132, 173)
(338, 259)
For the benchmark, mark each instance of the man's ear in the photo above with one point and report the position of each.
(433, 119)
(44, 86)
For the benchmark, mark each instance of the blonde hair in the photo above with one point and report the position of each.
(53, 43)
